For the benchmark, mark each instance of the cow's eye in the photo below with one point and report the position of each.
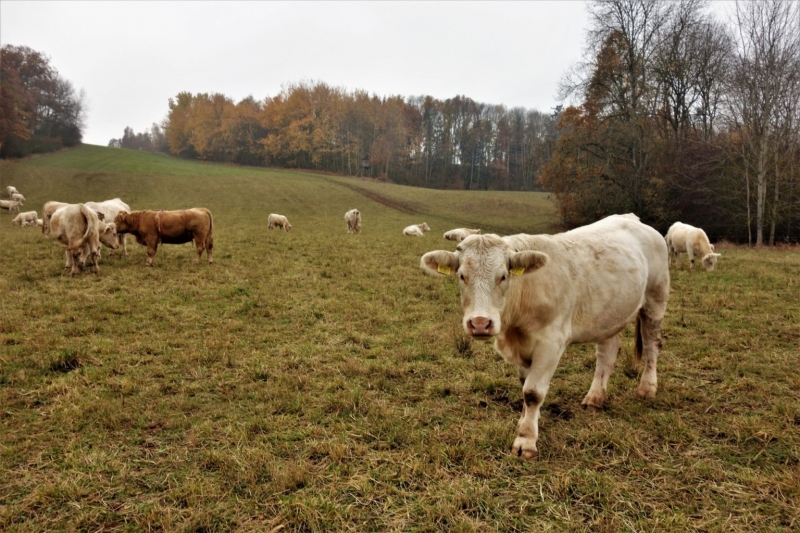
(462, 277)
(503, 278)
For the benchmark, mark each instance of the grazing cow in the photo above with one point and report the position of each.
(107, 234)
(17, 197)
(537, 294)
(77, 228)
(694, 241)
(170, 227)
(279, 221)
(110, 209)
(47, 212)
(25, 219)
(460, 234)
(11, 191)
(416, 230)
(353, 220)
(10, 205)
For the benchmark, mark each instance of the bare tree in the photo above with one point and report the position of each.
(767, 55)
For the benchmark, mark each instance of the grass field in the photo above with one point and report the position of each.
(318, 381)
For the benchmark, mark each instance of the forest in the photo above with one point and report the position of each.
(40, 110)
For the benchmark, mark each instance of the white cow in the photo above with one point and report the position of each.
(28, 218)
(278, 221)
(416, 230)
(10, 205)
(694, 241)
(459, 234)
(17, 197)
(47, 212)
(537, 294)
(353, 220)
(11, 190)
(39, 222)
(109, 209)
(77, 227)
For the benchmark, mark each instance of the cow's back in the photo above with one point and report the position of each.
(596, 279)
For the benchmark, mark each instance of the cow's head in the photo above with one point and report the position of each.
(108, 235)
(710, 261)
(122, 223)
(425, 226)
(484, 266)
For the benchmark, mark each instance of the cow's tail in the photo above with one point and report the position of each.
(210, 237)
(85, 212)
(639, 343)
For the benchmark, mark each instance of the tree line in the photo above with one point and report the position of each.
(682, 117)
(423, 141)
(40, 111)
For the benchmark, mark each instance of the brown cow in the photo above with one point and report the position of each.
(170, 227)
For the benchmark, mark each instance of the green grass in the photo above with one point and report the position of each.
(318, 381)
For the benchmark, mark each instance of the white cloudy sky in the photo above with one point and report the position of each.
(130, 57)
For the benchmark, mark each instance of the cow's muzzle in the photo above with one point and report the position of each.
(480, 326)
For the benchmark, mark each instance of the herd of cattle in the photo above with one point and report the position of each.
(590, 283)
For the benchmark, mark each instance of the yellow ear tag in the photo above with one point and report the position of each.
(517, 271)
(444, 269)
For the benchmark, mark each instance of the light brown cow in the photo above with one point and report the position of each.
(353, 220)
(694, 241)
(537, 294)
(416, 230)
(77, 229)
(278, 221)
(170, 227)
(25, 219)
(459, 234)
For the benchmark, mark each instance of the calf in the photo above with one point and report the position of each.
(694, 241)
(170, 227)
(460, 234)
(10, 205)
(28, 218)
(537, 294)
(416, 230)
(353, 220)
(278, 221)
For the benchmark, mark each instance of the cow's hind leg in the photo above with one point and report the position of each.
(606, 351)
(649, 339)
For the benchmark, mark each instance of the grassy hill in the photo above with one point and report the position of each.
(318, 381)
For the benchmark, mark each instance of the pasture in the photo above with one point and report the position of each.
(318, 381)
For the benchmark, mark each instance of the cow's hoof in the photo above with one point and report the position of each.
(593, 402)
(524, 447)
(646, 392)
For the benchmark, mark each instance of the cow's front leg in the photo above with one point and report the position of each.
(606, 352)
(543, 366)
(152, 248)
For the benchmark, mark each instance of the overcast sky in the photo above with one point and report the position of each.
(131, 57)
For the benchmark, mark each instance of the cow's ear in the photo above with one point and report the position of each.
(110, 228)
(526, 262)
(440, 262)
